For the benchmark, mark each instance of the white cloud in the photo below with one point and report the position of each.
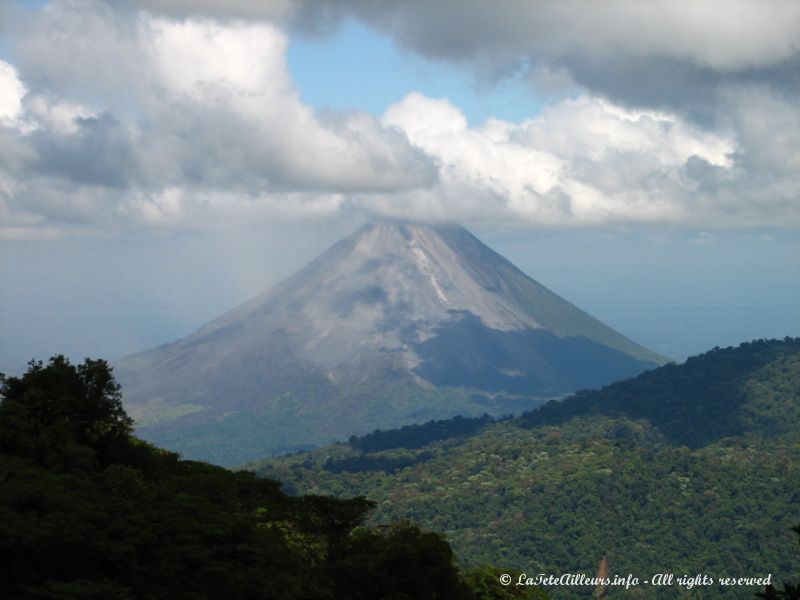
(11, 93)
(593, 128)
(116, 118)
(582, 161)
(61, 117)
(231, 79)
(200, 58)
(483, 161)
(81, 49)
(182, 110)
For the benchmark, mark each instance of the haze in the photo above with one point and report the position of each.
(163, 161)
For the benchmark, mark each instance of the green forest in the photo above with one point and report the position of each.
(688, 469)
(88, 511)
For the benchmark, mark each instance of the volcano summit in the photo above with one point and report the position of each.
(396, 323)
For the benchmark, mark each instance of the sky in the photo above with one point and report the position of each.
(164, 160)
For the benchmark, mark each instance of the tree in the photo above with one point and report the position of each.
(62, 412)
(398, 562)
(88, 511)
(789, 592)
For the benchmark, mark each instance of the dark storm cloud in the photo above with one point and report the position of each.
(667, 83)
(654, 54)
(659, 54)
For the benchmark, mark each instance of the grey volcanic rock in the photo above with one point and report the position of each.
(396, 323)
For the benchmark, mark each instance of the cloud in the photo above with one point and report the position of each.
(174, 114)
(238, 105)
(11, 93)
(581, 161)
(274, 10)
(721, 35)
(601, 45)
(660, 54)
(82, 49)
(152, 109)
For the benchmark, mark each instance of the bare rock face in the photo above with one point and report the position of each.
(397, 323)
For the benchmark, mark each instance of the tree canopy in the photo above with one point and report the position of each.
(88, 511)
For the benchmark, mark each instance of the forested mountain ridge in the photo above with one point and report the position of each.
(727, 392)
(687, 468)
(88, 512)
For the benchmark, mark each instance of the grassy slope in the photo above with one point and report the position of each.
(284, 424)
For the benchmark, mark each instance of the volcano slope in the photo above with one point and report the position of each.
(397, 323)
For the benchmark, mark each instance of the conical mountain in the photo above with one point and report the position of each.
(397, 323)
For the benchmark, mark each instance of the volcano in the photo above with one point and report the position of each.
(397, 323)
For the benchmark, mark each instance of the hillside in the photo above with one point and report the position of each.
(395, 324)
(691, 468)
(88, 512)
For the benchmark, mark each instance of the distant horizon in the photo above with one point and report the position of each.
(645, 313)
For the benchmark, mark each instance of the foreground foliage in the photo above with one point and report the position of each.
(686, 469)
(788, 591)
(88, 511)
